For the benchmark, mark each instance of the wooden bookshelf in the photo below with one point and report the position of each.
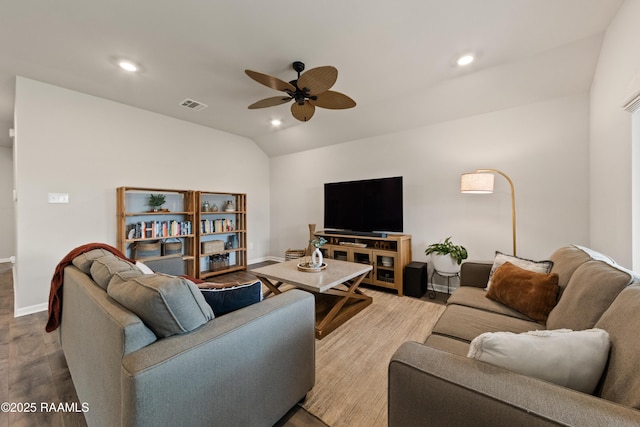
(189, 217)
(228, 225)
(176, 222)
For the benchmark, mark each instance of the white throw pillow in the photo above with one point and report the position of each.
(535, 266)
(573, 359)
(144, 267)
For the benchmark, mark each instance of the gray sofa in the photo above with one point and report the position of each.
(435, 384)
(246, 368)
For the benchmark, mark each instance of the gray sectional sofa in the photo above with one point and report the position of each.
(246, 368)
(435, 384)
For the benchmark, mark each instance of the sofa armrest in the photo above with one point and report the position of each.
(248, 367)
(430, 387)
(475, 273)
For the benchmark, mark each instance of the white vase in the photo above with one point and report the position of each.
(316, 258)
(445, 264)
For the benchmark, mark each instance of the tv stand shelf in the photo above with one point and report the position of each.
(388, 255)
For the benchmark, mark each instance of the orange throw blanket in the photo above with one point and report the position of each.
(55, 293)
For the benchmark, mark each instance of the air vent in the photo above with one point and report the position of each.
(193, 105)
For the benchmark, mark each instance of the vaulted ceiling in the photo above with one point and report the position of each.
(395, 59)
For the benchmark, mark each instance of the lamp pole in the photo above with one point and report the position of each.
(513, 202)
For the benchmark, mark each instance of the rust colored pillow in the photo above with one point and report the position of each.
(530, 293)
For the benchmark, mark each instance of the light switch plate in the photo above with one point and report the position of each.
(58, 197)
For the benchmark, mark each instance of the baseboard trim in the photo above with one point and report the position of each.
(442, 288)
(31, 310)
(266, 258)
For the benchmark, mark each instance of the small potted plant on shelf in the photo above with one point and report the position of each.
(156, 201)
(446, 256)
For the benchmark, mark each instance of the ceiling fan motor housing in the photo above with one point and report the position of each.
(298, 66)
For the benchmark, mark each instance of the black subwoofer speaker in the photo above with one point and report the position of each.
(415, 279)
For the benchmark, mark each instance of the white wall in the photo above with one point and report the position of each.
(69, 142)
(543, 147)
(617, 77)
(7, 237)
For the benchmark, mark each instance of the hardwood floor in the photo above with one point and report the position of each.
(32, 366)
(33, 369)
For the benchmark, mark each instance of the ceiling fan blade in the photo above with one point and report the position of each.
(269, 102)
(318, 80)
(302, 112)
(333, 100)
(270, 81)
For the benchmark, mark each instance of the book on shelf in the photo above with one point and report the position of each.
(216, 225)
(158, 229)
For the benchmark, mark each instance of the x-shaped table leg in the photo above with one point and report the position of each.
(271, 287)
(352, 293)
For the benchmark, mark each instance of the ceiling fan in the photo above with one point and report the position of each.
(309, 90)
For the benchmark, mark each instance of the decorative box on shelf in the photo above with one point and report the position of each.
(212, 246)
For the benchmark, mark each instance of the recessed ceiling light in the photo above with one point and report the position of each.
(465, 60)
(276, 122)
(128, 66)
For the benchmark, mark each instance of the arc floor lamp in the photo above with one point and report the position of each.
(481, 182)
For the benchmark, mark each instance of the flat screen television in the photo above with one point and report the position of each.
(364, 206)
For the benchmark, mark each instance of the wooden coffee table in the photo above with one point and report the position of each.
(336, 289)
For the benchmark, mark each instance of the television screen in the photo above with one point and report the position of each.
(366, 205)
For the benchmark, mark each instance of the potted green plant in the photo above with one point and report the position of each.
(156, 201)
(446, 256)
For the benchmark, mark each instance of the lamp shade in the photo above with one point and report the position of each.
(479, 183)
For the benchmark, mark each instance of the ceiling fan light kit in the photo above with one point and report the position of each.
(308, 91)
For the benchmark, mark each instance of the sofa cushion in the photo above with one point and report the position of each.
(85, 260)
(448, 344)
(621, 382)
(103, 268)
(590, 291)
(565, 262)
(466, 323)
(533, 294)
(571, 359)
(125, 276)
(226, 299)
(172, 264)
(470, 296)
(168, 305)
(537, 266)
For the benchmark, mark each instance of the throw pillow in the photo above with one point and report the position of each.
(530, 293)
(105, 267)
(224, 298)
(571, 359)
(144, 267)
(527, 264)
(168, 305)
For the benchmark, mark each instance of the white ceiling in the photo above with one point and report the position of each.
(395, 59)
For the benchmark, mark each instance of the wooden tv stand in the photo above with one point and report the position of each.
(387, 255)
